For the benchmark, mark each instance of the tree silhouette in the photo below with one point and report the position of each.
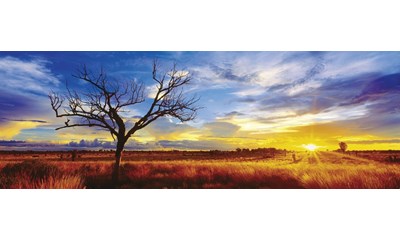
(343, 146)
(102, 105)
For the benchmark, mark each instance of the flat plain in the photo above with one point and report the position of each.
(248, 169)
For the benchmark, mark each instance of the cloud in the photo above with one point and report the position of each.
(25, 145)
(27, 75)
(8, 130)
(378, 88)
(23, 95)
(10, 143)
(301, 88)
(96, 143)
(253, 91)
(131, 145)
(166, 129)
(317, 92)
(374, 141)
(195, 145)
(233, 114)
(227, 73)
(350, 64)
(21, 106)
(281, 120)
(151, 91)
(23, 120)
(221, 129)
(22, 112)
(76, 133)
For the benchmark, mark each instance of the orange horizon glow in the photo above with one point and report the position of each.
(311, 137)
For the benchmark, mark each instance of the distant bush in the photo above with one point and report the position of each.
(393, 159)
(343, 146)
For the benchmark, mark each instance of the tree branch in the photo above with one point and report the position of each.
(102, 104)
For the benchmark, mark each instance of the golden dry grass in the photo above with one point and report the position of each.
(310, 170)
(38, 174)
(259, 175)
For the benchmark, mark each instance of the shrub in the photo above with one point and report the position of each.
(34, 169)
(393, 159)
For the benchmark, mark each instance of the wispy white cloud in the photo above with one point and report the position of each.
(303, 88)
(283, 120)
(27, 75)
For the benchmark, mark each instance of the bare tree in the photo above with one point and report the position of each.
(343, 146)
(102, 106)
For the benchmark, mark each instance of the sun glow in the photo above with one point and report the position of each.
(310, 147)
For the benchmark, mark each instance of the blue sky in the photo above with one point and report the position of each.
(249, 99)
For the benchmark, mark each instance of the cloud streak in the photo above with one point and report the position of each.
(27, 75)
(23, 120)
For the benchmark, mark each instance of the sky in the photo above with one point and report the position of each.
(248, 99)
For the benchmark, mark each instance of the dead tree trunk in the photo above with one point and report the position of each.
(101, 105)
(118, 159)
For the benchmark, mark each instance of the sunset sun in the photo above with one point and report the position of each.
(310, 147)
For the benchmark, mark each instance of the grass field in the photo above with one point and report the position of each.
(221, 170)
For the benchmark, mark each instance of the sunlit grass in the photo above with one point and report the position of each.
(38, 174)
(309, 170)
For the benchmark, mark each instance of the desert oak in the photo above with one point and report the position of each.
(101, 107)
